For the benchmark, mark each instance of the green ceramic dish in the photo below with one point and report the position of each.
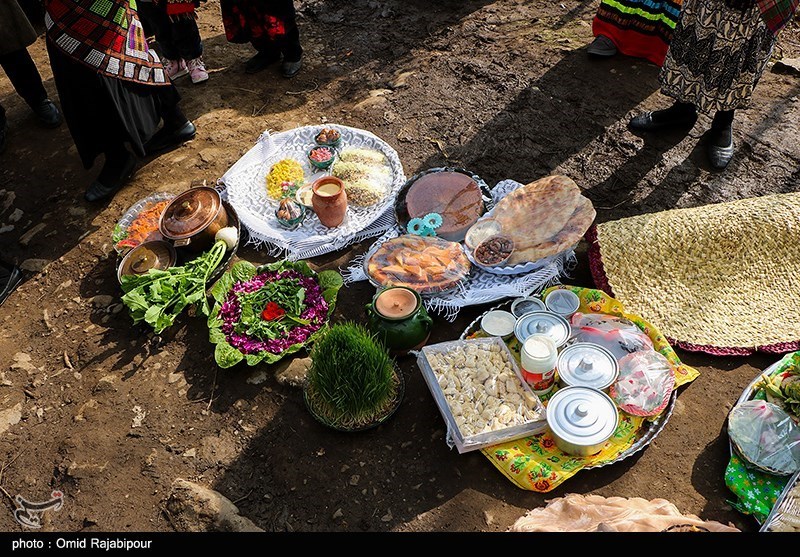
(322, 165)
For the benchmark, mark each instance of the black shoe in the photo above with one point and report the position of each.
(48, 114)
(290, 69)
(602, 46)
(646, 123)
(100, 190)
(10, 277)
(261, 61)
(3, 136)
(719, 157)
(166, 139)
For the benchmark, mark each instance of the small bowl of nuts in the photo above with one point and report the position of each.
(328, 136)
(494, 250)
(321, 156)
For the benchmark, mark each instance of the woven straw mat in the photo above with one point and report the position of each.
(721, 278)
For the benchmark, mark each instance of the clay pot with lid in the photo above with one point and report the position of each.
(398, 317)
(193, 218)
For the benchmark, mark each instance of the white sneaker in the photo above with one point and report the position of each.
(197, 70)
(175, 68)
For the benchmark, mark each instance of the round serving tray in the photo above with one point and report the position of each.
(376, 284)
(401, 210)
(649, 430)
(748, 394)
(185, 255)
(133, 211)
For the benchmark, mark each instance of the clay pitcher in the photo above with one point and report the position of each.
(329, 200)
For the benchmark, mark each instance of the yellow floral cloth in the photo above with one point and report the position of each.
(535, 463)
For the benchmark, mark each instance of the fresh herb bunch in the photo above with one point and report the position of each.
(262, 314)
(351, 381)
(159, 296)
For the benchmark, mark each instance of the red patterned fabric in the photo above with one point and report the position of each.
(105, 35)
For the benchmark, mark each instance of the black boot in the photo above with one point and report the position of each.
(679, 115)
(261, 61)
(117, 170)
(720, 140)
(168, 137)
(48, 113)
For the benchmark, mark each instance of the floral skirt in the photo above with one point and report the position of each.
(717, 55)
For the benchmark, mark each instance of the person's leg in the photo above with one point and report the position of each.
(680, 114)
(267, 53)
(190, 46)
(176, 129)
(720, 139)
(158, 20)
(290, 45)
(118, 167)
(22, 72)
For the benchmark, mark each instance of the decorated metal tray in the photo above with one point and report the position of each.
(650, 428)
(125, 239)
(401, 207)
(454, 284)
(246, 185)
(748, 394)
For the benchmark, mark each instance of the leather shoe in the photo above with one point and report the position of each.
(719, 157)
(290, 69)
(165, 139)
(99, 191)
(644, 122)
(261, 61)
(3, 136)
(48, 114)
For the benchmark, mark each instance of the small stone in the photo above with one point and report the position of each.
(9, 417)
(34, 265)
(174, 377)
(488, 518)
(86, 411)
(76, 211)
(257, 377)
(15, 215)
(354, 479)
(191, 453)
(295, 373)
(26, 238)
(138, 416)
(22, 361)
(338, 514)
(77, 375)
(106, 384)
(387, 517)
(344, 468)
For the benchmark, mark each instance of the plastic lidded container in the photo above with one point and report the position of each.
(563, 302)
(588, 365)
(498, 323)
(543, 323)
(538, 357)
(581, 420)
(521, 306)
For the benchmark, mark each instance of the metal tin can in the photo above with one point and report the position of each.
(538, 358)
(581, 420)
(587, 364)
(543, 323)
(527, 304)
(563, 302)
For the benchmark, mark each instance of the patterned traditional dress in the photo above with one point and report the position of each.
(716, 56)
(112, 87)
(640, 28)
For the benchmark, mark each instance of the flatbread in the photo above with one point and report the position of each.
(577, 225)
(544, 217)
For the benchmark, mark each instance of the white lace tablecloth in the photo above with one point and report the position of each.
(482, 286)
(245, 189)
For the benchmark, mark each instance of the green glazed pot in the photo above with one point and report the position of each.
(398, 317)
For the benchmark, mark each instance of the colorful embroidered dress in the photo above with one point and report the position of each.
(105, 35)
(640, 28)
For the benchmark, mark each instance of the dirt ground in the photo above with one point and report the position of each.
(111, 416)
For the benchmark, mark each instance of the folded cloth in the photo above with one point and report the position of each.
(594, 513)
(719, 278)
